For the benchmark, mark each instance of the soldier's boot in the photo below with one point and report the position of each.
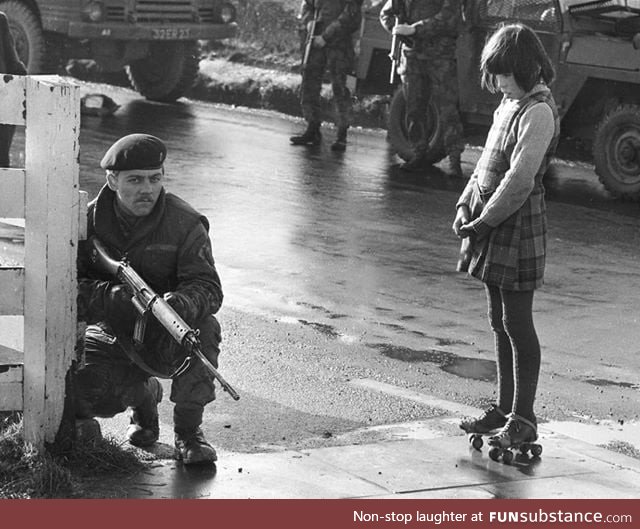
(418, 162)
(454, 166)
(144, 429)
(311, 136)
(340, 145)
(192, 448)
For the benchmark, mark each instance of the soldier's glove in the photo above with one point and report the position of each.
(182, 305)
(119, 309)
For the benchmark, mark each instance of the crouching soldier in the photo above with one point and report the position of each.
(166, 242)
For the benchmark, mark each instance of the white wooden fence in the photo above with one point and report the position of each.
(45, 193)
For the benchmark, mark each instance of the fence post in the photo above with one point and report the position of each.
(52, 204)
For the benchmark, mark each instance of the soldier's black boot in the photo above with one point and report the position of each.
(454, 166)
(144, 429)
(192, 448)
(311, 136)
(340, 145)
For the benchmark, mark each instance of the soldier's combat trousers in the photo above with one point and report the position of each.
(423, 79)
(110, 382)
(338, 61)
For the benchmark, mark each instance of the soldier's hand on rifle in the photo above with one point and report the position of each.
(319, 42)
(404, 30)
(181, 304)
(118, 306)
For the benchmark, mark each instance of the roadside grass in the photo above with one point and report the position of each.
(26, 472)
(624, 448)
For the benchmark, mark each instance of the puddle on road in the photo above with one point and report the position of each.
(323, 328)
(604, 382)
(465, 367)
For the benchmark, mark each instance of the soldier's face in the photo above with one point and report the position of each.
(137, 190)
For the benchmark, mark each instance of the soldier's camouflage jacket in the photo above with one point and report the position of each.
(437, 23)
(337, 20)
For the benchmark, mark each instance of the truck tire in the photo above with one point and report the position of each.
(397, 130)
(27, 33)
(616, 151)
(167, 72)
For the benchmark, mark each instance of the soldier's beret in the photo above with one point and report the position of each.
(135, 151)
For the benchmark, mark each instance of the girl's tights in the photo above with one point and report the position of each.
(517, 349)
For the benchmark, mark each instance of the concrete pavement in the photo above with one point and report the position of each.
(419, 460)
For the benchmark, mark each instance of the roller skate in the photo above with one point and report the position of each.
(487, 424)
(518, 434)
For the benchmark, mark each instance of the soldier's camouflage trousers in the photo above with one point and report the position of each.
(110, 382)
(423, 79)
(338, 61)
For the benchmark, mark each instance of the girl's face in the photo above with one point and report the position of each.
(508, 86)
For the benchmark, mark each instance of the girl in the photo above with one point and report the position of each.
(502, 221)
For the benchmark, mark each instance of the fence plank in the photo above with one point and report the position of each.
(12, 288)
(11, 388)
(51, 232)
(12, 95)
(10, 379)
(12, 196)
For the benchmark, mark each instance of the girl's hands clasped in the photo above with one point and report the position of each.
(460, 224)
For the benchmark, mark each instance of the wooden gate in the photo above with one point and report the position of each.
(38, 297)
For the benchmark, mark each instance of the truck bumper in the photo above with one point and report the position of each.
(159, 32)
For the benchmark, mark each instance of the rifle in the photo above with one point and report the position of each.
(396, 41)
(309, 42)
(146, 301)
(394, 55)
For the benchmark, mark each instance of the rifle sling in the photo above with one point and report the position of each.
(135, 357)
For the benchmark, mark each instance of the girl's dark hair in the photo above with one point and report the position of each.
(515, 49)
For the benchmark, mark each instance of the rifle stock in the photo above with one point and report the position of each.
(146, 302)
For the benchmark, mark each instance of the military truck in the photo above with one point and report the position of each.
(155, 40)
(595, 47)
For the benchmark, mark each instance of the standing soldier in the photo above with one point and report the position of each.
(428, 30)
(329, 26)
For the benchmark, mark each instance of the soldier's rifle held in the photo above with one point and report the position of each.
(394, 54)
(147, 302)
(311, 30)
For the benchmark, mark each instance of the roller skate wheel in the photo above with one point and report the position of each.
(494, 453)
(536, 450)
(507, 457)
(524, 449)
(476, 441)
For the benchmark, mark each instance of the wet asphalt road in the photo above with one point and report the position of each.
(339, 268)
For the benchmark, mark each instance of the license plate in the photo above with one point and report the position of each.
(171, 33)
